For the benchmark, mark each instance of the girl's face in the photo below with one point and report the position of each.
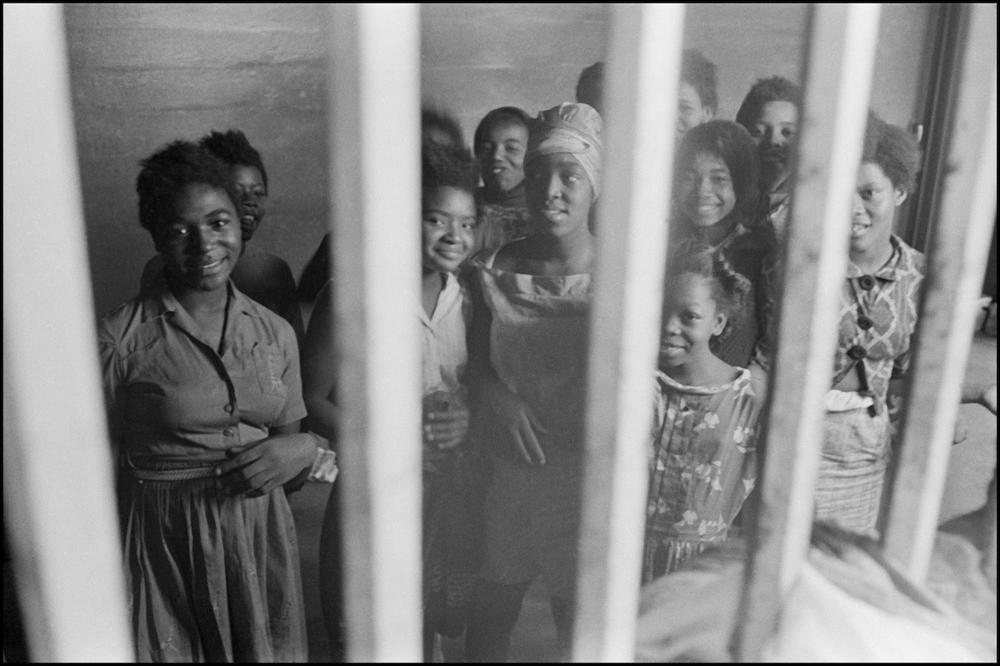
(706, 191)
(873, 210)
(501, 155)
(774, 133)
(691, 318)
(558, 193)
(249, 183)
(201, 240)
(690, 111)
(449, 220)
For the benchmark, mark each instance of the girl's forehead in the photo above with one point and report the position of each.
(505, 123)
(708, 159)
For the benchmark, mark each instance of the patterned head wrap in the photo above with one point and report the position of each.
(573, 128)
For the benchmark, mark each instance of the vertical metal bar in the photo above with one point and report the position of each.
(644, 68)
(838, 71)
(374, 146)
(57, 469)
(956, 262)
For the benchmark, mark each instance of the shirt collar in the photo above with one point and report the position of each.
(901, 262)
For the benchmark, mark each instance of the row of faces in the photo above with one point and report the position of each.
(502, 149)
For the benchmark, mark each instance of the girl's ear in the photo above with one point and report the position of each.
(900, 196)
(720, 323)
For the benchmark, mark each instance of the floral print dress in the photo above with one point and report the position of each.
(702, 467)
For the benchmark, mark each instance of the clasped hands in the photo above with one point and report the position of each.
(262, 467)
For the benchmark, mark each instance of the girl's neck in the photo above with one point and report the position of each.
(871, 260)
(707, 370)
(431, 285)
(716, 233)
(574, 251)
(202, 303)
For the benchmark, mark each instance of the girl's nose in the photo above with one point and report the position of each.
(705, 185)
(857, 205)
(202, 240)
(554, 189)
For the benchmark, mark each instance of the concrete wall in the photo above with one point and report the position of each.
(145, 74)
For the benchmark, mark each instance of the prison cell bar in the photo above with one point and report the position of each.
(837, 81)
(57, 468)
(374, 102)
(643, 66)
(956, 262)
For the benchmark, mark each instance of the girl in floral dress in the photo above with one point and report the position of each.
(703, 462)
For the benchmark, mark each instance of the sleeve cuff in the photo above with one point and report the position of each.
(324, 468)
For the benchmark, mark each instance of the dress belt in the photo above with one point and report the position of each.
(184, 474)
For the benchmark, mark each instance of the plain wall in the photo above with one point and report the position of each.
(143, 75)
(146, 74)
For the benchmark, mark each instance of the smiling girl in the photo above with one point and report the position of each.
(500, 143)
(528, 352)
(878, 316)
(715, 201)
(204, 408)
(450, 498)
(703, 462)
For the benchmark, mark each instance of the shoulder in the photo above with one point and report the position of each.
(910, 259)
(277, 330)
(113, 326)
(133, 325)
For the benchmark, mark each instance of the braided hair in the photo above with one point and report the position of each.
(730, 289)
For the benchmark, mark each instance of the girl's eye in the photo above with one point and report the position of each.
(720, 180)
(788, 133)
(220, 222)
(433, 221)
(469, 224)
(178, 231)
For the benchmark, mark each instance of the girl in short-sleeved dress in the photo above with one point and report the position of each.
(702, 461)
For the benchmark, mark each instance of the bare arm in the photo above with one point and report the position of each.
(319, 368)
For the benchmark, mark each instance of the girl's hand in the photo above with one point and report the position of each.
(517, 419)
(262, 467)
(445, 427)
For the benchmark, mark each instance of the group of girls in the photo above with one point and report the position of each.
(206, 401)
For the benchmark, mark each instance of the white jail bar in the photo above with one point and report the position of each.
(57, 468)
(374, 142)
(643, 76)
(956, 263)
(837, 83)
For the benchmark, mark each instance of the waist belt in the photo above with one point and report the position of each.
(185, 474)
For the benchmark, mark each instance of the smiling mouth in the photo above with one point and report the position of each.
(859, 228)
(211, 267)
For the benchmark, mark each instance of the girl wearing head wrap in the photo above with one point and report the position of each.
(528, 348)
